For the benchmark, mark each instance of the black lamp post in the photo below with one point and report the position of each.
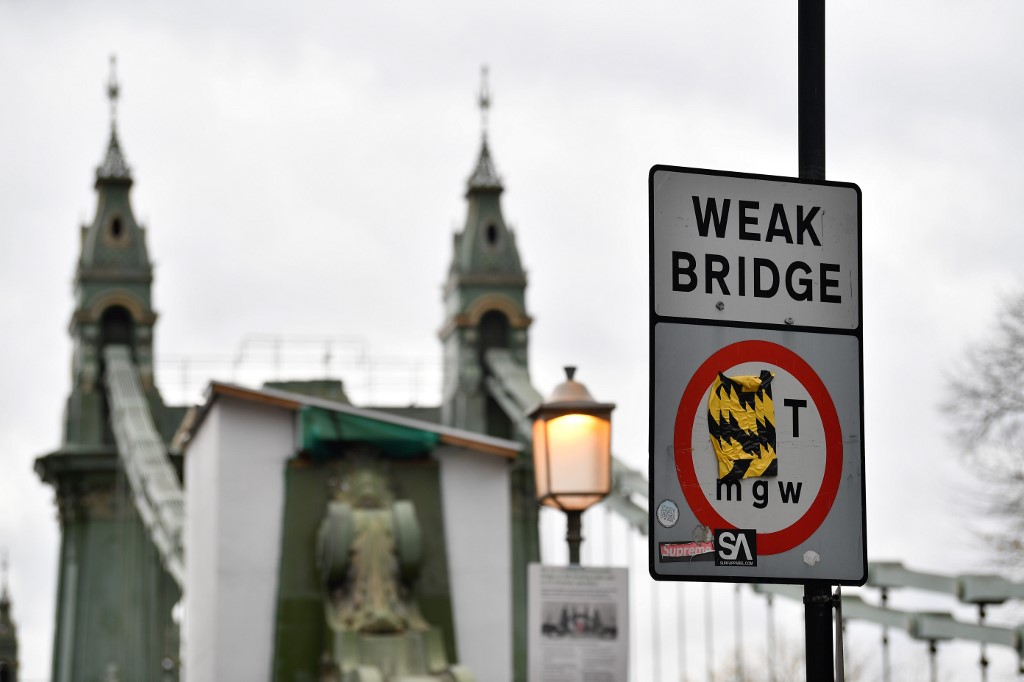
(572, 461)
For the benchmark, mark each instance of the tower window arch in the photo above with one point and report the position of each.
(494, 331)
(116, 228)
(491, 234)
(116, 326)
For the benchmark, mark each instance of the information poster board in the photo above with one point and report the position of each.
(578, 620)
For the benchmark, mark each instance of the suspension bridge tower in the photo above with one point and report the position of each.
(485, 342)
(114, 599)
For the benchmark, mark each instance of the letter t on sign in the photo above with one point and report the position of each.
(796, 404)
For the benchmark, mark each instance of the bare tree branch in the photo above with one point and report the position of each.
(985, 402)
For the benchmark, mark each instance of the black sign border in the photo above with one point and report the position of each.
(654, 319)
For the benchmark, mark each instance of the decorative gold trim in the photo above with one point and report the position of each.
(480, 307)
(517, 319)
(124, 298)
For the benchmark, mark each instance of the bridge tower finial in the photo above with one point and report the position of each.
(113, 91)
(484, 100)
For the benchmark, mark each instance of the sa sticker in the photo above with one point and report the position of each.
(736, 547)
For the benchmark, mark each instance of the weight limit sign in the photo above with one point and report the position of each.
(762, 462)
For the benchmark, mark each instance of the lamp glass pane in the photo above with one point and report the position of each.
(581, 445)
(540, 459)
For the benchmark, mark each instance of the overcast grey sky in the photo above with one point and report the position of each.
(300, 168)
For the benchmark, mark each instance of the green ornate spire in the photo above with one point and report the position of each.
(114, 240)
(114, 168)
(113, 280)
(485, 176)
(485, 296)
(486, 247)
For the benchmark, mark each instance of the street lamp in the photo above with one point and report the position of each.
(572, 461)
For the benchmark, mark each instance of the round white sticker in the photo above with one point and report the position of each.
(668, 513)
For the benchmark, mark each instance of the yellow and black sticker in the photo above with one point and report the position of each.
(741, 421)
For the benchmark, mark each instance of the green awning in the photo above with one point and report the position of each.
(323, 431)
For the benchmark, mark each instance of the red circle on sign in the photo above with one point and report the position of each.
(760, 351)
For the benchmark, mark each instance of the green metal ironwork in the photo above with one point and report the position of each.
(114, 597)
(341, 521)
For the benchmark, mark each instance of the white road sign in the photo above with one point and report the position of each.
(751, 249)
(756, 468)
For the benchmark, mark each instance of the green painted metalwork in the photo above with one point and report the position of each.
(315, 491)
(368, 586)
(114, 599)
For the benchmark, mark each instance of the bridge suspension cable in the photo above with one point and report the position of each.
(155, 488)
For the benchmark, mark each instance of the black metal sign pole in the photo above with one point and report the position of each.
(811, 104)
